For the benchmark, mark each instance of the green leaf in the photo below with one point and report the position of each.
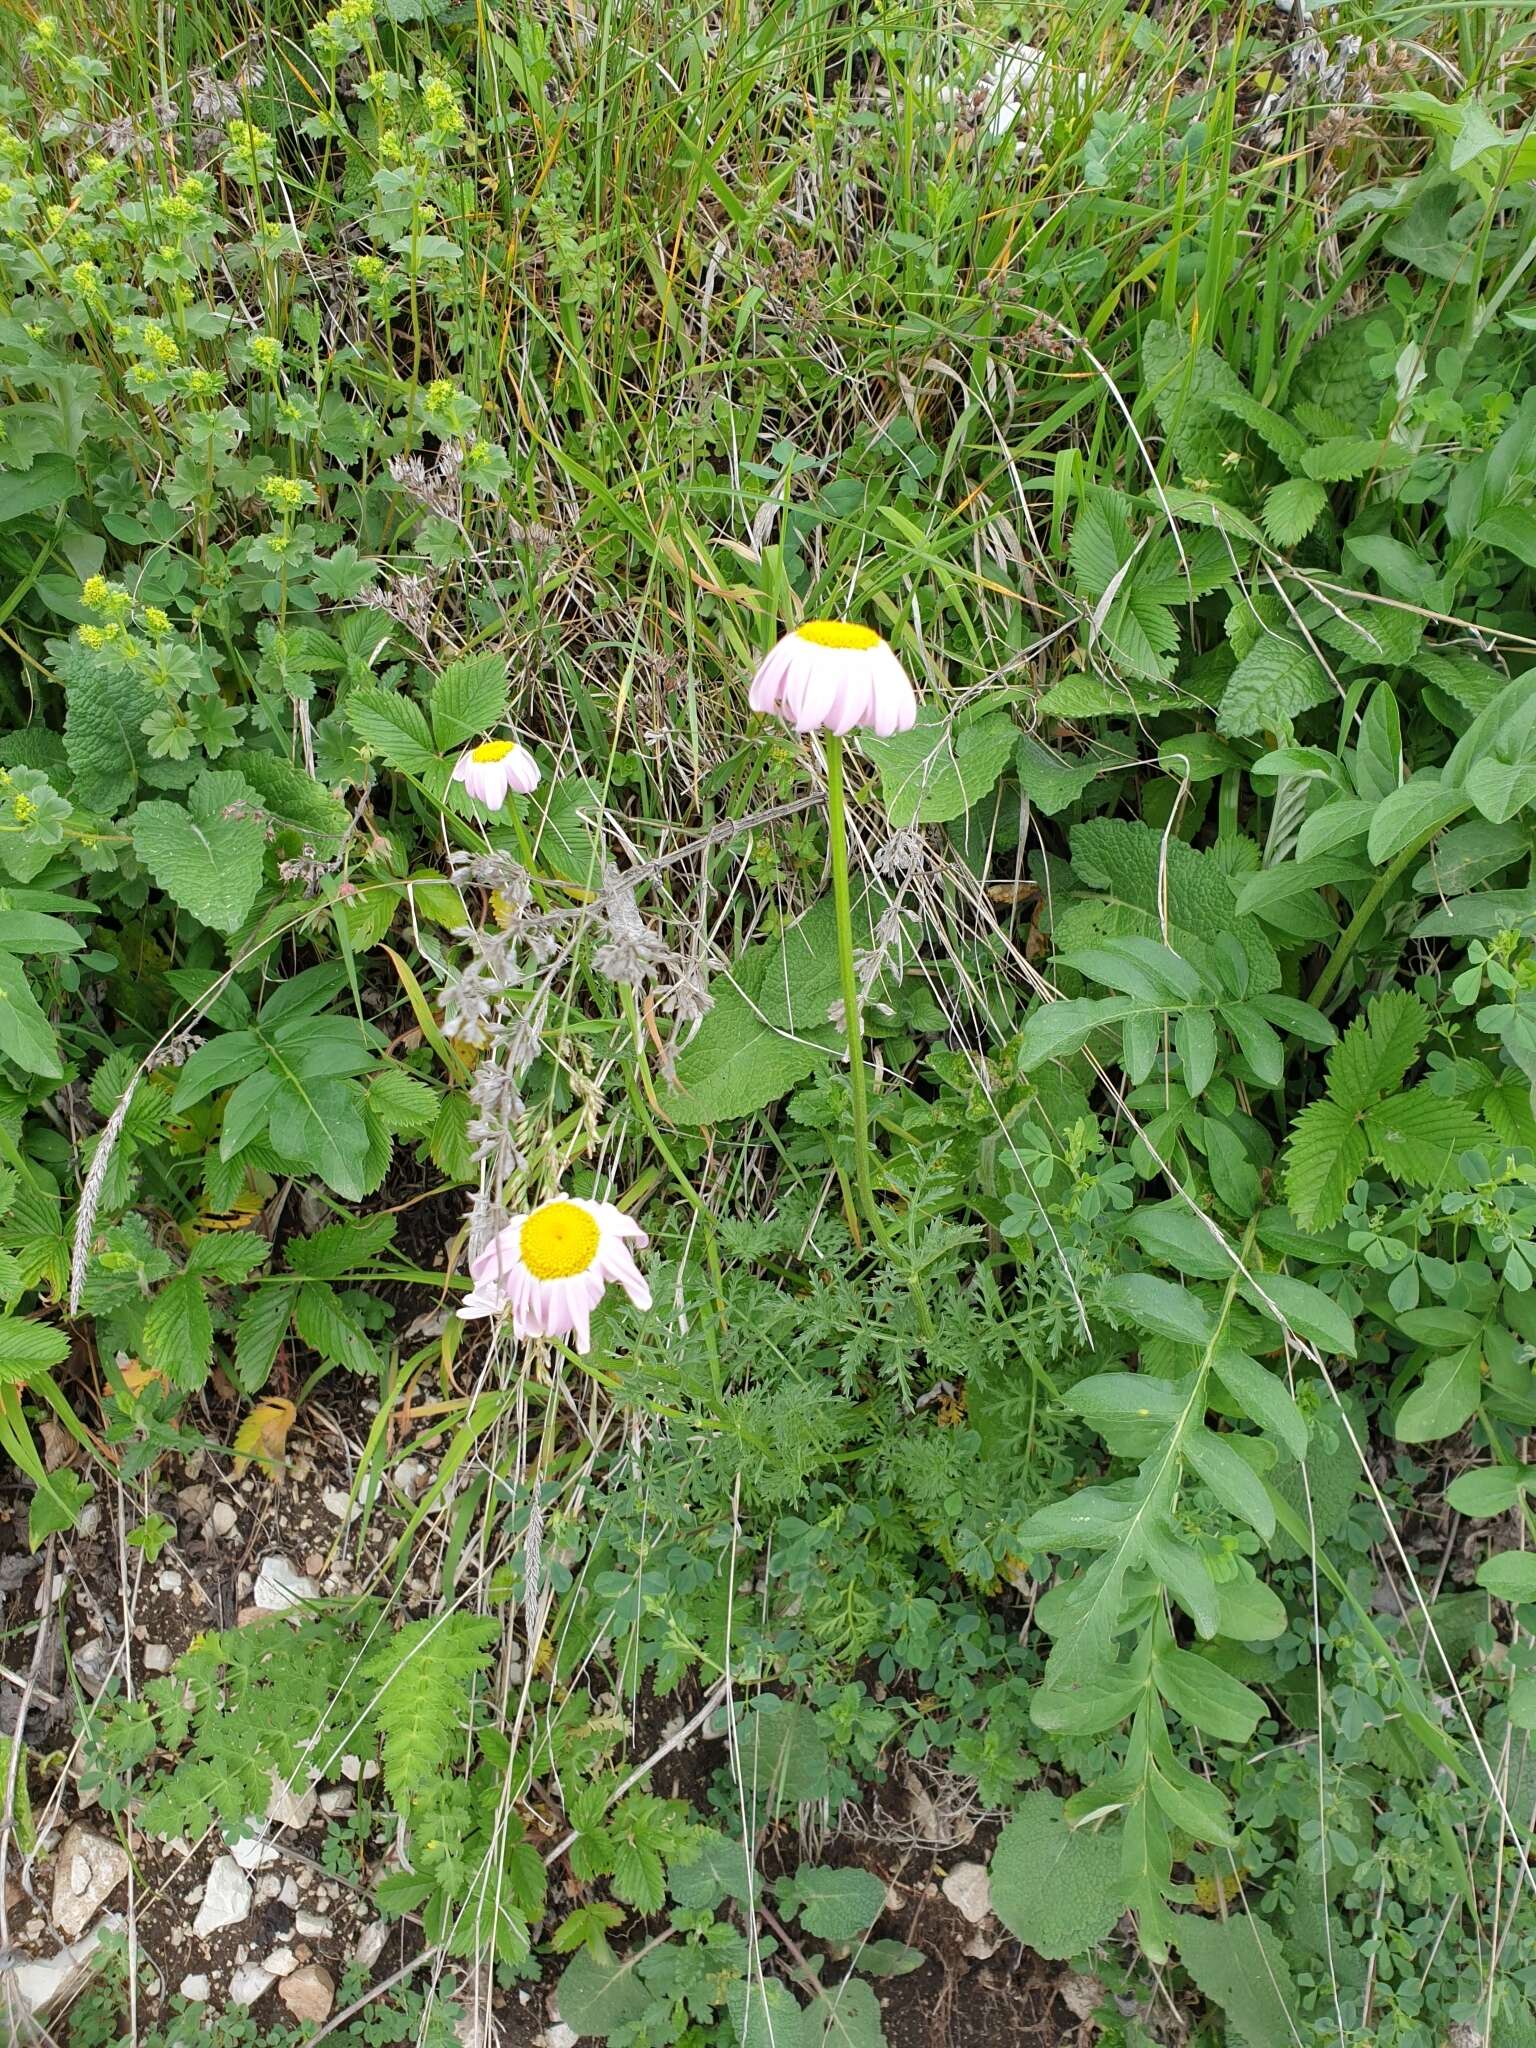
(394, 727)
(850, 2013)
(1292, 509)
(1377, 1050)
(28, 1348)
(1240, 1966)
(178, 1332)
(1209, 1698)
(1159, 1307)
(104, 710)
(49, 482)
(1299, 1306)
(1052, 781)
(1421, 806)
(599, 1995)
(1419, 1136)
(27, 1038)
(1263, 1397)
(207, 860)
(1445, 1399)
(1056, 1888)
(328, 1326)
(1160, 889)
(1230, 1478)
(835, 1905)
(938, 770)
(765, 2015)
(1278, 679)
(1057, 1030)
(1491, 1490)
(259, 1333)
(468, 698)
(1509, 1575)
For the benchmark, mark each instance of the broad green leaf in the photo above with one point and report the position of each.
(1263, 1397)
(468, 698)
(1158, 1307)
(393, 727)
(1411, 814)
(27, 1038)
(1278, 679)
(1510, 1575)
(1057, 1030)
(207, 857)
(939, 769)
(836, 1905)
(1299, 1306)
(1209, 1698)
(1233, 1481)
(1491, 1490)
(849, 2013)
(1445, 1399)
(1054, 1887)
(1240, 1966)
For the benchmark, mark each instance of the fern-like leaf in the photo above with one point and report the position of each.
(425, 1674)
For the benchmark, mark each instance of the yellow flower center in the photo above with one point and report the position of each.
(558, 1240)
(493, 750)
(839, 633)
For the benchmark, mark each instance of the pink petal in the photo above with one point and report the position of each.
(522, 771)
(767, 683)
(609, 1216)
(618, 1265)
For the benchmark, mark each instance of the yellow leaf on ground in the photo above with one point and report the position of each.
(263, 1436)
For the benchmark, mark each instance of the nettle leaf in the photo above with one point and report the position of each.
(1054, 1887)
(1278, 679)
(1141, 878)
(939, 769)
(105, 706)
(468, 698)
(1419, 1136)
(207, 857)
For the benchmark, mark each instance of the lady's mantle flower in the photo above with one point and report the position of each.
(549, 1268)
(835, 675)
(491, 771)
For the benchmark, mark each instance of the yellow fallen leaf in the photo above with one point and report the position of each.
(263, 1436)
(137, 1377)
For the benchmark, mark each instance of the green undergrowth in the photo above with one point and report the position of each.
(1151, 1478)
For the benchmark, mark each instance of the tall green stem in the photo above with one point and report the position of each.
(853, 1026)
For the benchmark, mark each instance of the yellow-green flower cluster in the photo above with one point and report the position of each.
(286, 493)
(109, 600)
(266, 352)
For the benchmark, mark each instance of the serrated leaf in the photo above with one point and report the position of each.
(1419, 1136)
(104, 709)
(328, 1326)
(1054, 1887)
(178, 1332)
(938, 770)
(1377, 1050)
(207, 857)
(394, 727)
(468, 698)
(1325, 1157)
(849, 2013)
(1292, 509)
(1278, 679)
(1145, 879)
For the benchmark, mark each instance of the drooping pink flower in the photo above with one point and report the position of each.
(491, 771)
(835, 675)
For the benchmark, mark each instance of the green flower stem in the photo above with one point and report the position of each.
(853, 1021)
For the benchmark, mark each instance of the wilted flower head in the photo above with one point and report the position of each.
(835, 675)
(548, 1269)
(491, 771)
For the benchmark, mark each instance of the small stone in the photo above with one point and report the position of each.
(338, 1503)
(88, 1521)
(90, 1869)
(559, 2035)
(289, 1808)
(411, 1476)
(336, 1802)
(279, 1586)
(281, 1963)
(251, 1852)
(249, 1983)
(969, 1890)
(193, 1500)
(351, 1768)
(223, 1518)
(170, 1582)
(984, 1945)
(314, 1564)
(94, 1661)
(198, 1989)
(288, 1892)
(1080, 1994)
(312, 1926)
(157, 1657)
(371, 1945)
(269, 1886)
(226, 1898)
(309, 1993)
